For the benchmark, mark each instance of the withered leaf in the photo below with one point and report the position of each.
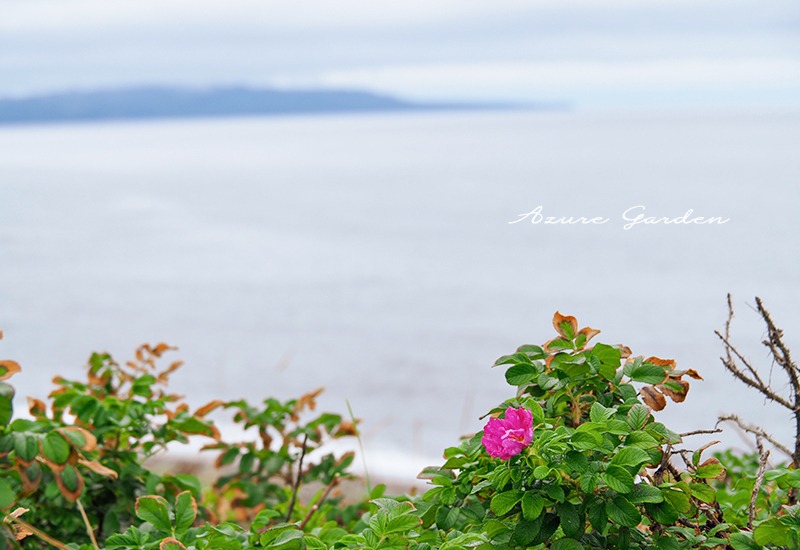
(98, 468)
(675, 388)
(559, 322)
(208, 407)
(653, 398)
(8, 369)
(668, 363)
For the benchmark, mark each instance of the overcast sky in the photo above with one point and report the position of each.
(595, 53)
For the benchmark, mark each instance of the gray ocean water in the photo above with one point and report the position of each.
(372, 255)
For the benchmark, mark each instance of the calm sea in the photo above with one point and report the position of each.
(372, 255)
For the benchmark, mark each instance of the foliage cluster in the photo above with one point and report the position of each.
(600, 471)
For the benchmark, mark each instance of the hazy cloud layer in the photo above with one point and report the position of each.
(595, 53)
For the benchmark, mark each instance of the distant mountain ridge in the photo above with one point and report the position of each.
(162, 102)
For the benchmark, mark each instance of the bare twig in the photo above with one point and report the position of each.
(762, 468)
(756, 431)
(755, 381)
(699, 432)
(88, 524)
(334, 482)
(296, 487)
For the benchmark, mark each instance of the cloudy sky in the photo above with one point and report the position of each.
(608, 53)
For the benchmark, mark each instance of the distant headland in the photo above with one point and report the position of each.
(166, 102)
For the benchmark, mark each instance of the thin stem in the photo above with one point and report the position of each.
(334, 482)
(296, 487)
(762, 468)
(88, 524)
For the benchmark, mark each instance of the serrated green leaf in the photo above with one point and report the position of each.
(571, 521)
(663, 512)
(709, 471)
(638, 416)
(596, 512)
(619, 479)
(532, 505)
(771, 531)
(742, 541)
(704, 493)
(678, 499)
(643, 493)
(185, 511)
(621, 511)
(586, 441)
(153, 509)
(577, 461)
(521, 374)
(599, 413)
(630, 457)
(502, 503)
(647, 373)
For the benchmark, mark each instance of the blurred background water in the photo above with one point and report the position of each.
(372, 254)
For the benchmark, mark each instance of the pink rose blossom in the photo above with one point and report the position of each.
(506, 437)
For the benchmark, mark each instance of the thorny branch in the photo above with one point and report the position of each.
(756, 431)
(744, 371)
(763, 456)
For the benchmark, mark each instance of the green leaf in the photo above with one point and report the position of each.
(607, 355)
(630, 457)
(566, 544)
(55, 448)
(596, 512)
(587, 441)
(678, 499)
(26, 446)
(532, 505)
(642, 440)
(6, 403)
(521, 374)
(554, 491)
(502, 503)
(648, 373)
(742, 541)
(619, 479)
(153, 509)
(621, 511)
(7, 494)
(402, 524)
(185, 511)
(771, 531)
(313, 543)
(710, 470)
(577, 461)
(571, 521)
(638, 416)
(663, 512)
(588, 482)
(599, 413)
(643, 493)
(704, 492)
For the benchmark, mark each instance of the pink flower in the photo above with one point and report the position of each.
(506, 437)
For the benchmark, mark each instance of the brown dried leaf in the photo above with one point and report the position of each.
(208, 407)
(346, 428)
(159, 350)
(676, 396)
(589, 332)
(653, 398)
(624, 351)
(8, 369)
(558, 319)
(37, 408)
(669, 364)
(693, 374)
(171, 543)
(98, 468)
(308, 400)
(29, 484)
